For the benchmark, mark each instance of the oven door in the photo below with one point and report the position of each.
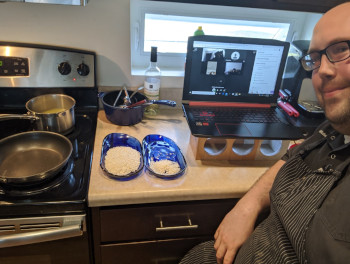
(44, 240)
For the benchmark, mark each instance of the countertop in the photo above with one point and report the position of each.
(202, 179)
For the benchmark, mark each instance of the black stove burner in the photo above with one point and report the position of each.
(25, 190)
(74, 132)
(14, 126)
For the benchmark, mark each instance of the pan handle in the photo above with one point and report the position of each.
(162, 102)
(15, 116)
(100, 94)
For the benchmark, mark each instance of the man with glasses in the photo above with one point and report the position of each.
(335, 52)
(308, 191)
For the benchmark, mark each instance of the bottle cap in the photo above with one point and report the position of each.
(153, 54)
(199, 31)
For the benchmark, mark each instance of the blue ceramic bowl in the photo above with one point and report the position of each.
(156, 148)
(120, 140)
(122, 116)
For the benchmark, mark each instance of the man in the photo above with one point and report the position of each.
(308, 190)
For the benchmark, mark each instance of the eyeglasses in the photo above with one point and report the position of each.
(336, 52)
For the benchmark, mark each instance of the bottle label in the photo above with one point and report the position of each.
(152, 88)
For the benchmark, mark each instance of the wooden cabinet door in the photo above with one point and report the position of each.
(149, 222)
(154, 233)
(152, 252)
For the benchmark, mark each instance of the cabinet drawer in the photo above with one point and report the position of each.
(151, 252)
(172, 220)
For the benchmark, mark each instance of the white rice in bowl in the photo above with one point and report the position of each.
(122, 160)
(165, 167)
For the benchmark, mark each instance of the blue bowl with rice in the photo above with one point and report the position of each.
(121, 156)
(162, 157)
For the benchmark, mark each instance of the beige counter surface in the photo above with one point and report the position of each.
(202, 179)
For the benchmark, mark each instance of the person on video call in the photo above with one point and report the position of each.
(308, 190)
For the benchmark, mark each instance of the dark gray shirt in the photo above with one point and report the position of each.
(310, 206)
(326, 156)
(309, 221)
(328, 238)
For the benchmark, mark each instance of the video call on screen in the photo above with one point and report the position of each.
(229, 69)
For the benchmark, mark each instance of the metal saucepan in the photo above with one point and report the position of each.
(31, 157)
(126, 115)
(51, 112)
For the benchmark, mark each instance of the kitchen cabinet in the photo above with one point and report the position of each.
(154, 233)
(317, 6)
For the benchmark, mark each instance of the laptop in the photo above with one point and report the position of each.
(235, 76)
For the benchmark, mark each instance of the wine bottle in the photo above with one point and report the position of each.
(152, 83)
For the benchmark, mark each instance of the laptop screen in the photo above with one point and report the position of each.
(229, 69)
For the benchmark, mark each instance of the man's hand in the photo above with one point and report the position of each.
(233, 231)
(239, 223)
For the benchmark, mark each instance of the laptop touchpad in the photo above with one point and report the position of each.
(233, 130)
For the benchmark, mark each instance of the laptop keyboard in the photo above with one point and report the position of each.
(235, 115)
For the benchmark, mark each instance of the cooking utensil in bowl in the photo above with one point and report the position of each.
(31, 157)
(123, 115)
(51, 112)
(126, 99)
(134, 92)
(118, 96)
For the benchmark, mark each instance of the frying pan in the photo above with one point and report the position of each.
(31, 157)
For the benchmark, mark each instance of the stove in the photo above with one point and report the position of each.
(26, 71)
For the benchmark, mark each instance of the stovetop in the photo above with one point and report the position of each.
(67, 191)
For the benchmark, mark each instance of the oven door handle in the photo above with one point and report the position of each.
(40, 236)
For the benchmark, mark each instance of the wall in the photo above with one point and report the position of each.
(101, 26)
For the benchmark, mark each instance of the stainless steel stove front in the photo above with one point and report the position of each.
(50, 226)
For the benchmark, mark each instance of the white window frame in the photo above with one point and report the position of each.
(172, 64)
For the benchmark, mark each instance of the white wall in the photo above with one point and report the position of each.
(101, 26)
(310, 22)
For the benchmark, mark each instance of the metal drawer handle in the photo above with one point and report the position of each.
(172, 228)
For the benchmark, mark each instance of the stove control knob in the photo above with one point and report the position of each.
(83, 69)
(64, 68)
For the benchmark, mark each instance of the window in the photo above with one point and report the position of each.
(169, 33)
(168, 26)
